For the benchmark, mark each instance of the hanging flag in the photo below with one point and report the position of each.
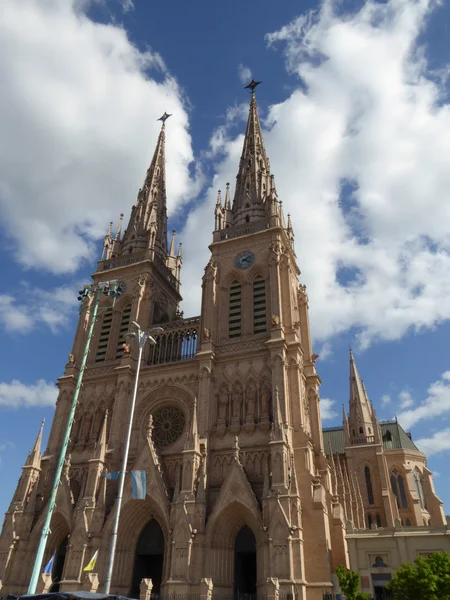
(139, 484)
(110, 475)
(91, 564)
(49, 566)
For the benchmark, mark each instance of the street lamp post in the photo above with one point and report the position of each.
(109, 288)
(141, 338)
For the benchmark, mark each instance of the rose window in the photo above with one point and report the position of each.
(168, 425)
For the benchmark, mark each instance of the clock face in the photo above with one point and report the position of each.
(245, 260)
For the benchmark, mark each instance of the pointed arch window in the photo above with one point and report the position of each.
(368, 485)
(234, 310)
(369, 521)
(398, 487)
(419, 488)
(259, 305)
(124, 324)
(378, 520)
(103, 339)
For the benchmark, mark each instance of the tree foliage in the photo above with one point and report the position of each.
(349, 584)
(428, 578)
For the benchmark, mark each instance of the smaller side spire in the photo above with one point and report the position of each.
(293, 483)
(360, 419)
(34, 457)
(100, 448)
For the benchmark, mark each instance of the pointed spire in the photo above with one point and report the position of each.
(172, 244)
(34, 457)
(192, 441)
(219, 198)
(227, 205)
(100, 448)
(101, 498)
(278, 433)
(107, 242)
(147, 227)
(360, 419)
(293, 484)
(119, 228)
(253, 179)
(333, 470)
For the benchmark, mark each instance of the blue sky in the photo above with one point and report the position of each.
(357, 127)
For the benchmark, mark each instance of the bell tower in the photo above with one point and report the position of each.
(256, 341)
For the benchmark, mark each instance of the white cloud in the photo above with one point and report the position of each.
(78, 115)
(325, 351)
(406, 400)
(7, 444)
(366, 116)
(438, 442)
(19, 395)
(385, 399)
(51, 308)
(327, 411)
(245, 74)
(435, 404)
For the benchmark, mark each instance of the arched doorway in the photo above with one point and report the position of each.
(58, 565)
(245, 563)
(149, 558)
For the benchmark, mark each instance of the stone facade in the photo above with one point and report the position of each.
(240, 494)
(377, 553)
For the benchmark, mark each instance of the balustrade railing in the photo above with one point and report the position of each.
(369, 439)
(245, 229)
(177, 342)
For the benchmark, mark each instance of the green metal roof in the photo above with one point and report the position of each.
(399, 439)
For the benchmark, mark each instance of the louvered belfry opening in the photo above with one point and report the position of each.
(234, 315)
(259, 305)
(124, 325)
(103, 339)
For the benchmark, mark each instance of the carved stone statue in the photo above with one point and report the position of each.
(275, 321)
(206, 333)
(126, 348)
(223, 405)
(71, 359)
(236, 399)
(265, 402)
(251, 400)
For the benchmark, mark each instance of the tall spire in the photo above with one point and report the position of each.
(253, 181)
(147, 227)
(360, 417)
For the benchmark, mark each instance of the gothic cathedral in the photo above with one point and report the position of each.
(246, 493)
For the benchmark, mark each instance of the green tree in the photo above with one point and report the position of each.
(428, 579)
(349, 584)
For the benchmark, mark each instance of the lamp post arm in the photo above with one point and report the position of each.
(62, 455)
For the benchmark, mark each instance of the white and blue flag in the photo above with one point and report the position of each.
(110, 475)
(49, 566)
(139, 484)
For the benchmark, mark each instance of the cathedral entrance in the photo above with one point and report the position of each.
(245, 564)
(149, 558)
(58, 565)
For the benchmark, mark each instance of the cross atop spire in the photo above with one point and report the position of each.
(252, 85)
(164, 118)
